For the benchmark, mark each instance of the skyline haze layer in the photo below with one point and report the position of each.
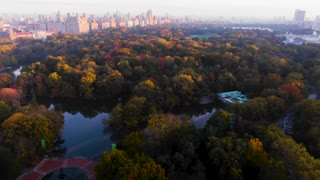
(199, 8)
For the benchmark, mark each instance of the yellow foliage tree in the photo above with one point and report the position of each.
(24, 133)
(86, 82)
(256, 155)
(117, 165)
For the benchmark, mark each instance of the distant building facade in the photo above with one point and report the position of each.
(77, 24)
(43, 26)
(299, 16)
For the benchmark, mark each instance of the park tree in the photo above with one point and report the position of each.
(256, 154)
(53, 79)
(272, 80)
(275, 107)
(132, 143)
(183, 86)
(41, 88)
(254, 109)
(218, 124)
(5, 111)
(172, 140)
(51, 62)
(298, 163)
(10, 96)
(162, 128)
(129, 117)
(294, 93)
(112, 84)
(307, 125)
(55, 117)
(226, 156)
(125, 68)
(117, 165)
(134, 113)
(259, 164)
(24, 133)
(5, 80)
(87, 81)
(146, 89)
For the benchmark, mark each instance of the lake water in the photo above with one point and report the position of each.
(17, 72)
(84, 133)
(201, 120)
(85, 136)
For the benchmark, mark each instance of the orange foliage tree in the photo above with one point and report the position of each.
(10, 97)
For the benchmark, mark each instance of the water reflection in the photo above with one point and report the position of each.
(85, 128)
(88, 108)
(17, 72)
(83, 133)
(85, 136)
(199, 114)
(201, 120)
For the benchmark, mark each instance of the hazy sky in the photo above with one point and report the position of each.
(201, 8)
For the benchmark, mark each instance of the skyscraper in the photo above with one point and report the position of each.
(149, 17)
(299, 15)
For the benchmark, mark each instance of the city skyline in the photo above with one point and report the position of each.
(199, 8)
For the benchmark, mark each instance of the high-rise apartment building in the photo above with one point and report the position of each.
(77, 24)
(299, 15)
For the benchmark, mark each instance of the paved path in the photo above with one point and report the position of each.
(49, 165)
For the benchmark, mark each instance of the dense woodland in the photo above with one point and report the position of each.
(150, 71)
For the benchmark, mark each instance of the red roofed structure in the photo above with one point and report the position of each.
(48, 165)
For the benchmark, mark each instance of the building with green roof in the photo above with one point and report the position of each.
(232, 97)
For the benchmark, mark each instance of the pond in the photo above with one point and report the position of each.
(199, 114)
(17, 72)
(85, 136)
(201, 120)
(83, 133)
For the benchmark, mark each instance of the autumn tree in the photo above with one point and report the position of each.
(307, 125)
(226, 156)
(275, 107)
(24, 133)
(183, 86)
(172, 140)
(298, 163)
(5, 80)
(87, 81)
(294, 93)
(10, 97)
(112, 85)
(161, 127)
(5, 111)
(147, 89)
(218, 124)
(117, 165)
(132, 143)
(272, 80)
(129, 117)
(254, 109)
(53, 79)
(55, 117)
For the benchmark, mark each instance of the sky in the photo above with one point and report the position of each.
(198, 8)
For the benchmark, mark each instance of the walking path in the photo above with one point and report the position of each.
(49, 165)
